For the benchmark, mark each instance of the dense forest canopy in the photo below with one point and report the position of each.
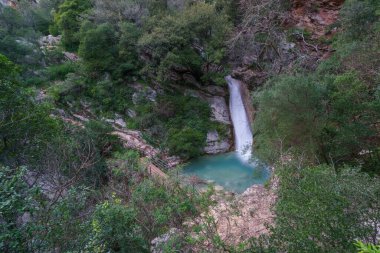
(72, 70)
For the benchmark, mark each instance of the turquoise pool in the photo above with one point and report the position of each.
(228, 171)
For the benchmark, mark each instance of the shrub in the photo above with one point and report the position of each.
(320, 210)
(98, 47)
(67, 22)
(59, 72)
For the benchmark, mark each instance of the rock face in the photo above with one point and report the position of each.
(215, 144)
(215, 97)
(244, 216)
(142, 93)
(220, 110)
(315, 15)
(11, 3)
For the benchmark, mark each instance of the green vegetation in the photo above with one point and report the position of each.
(329, 115)
(367, 248)
(319, 128)
(67, 21)
(70, 186)
(315, 198)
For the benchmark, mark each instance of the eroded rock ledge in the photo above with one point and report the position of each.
(240, 217)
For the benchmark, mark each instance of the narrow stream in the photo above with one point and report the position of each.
(238, 170)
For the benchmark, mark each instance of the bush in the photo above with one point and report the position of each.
(186, 142)
(290, 117)
(186, 41)
(67, 22)
(59, 72)
(98, 47)
(114, 229)
(16, 199)
(188, 121)
(320, 210)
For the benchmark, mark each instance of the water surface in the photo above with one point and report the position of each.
(229, 171)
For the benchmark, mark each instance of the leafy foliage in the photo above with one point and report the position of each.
(67, 21)
(16, 200)
(97, 46)
(329, 115)
(188, 40)
(367, 248)
(320, 210)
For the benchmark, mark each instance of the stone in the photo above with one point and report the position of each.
(120, 122)
(131, 113)
(41, 96)
(71, 56)
(143, 93)
(49, 41)
(220, 110)
(243, 216)
(215, 145)
(218, 188)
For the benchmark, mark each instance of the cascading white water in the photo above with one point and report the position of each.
(242, 129)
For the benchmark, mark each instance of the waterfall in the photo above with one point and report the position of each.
(242, 129)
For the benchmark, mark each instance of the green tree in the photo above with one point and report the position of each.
(186, 41)
(67, 22)
(290, 117)
(114, 229)
(98, 47)
(23, 124)
(320, 210)
(16, 200)
(128, 52)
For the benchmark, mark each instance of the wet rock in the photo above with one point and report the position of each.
(250, 76)
(216, 145)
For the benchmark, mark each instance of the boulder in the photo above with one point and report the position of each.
(144, 93)
(120, 122)
(49, 41)
(131, 113)
(216, 145)
(71, 56)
